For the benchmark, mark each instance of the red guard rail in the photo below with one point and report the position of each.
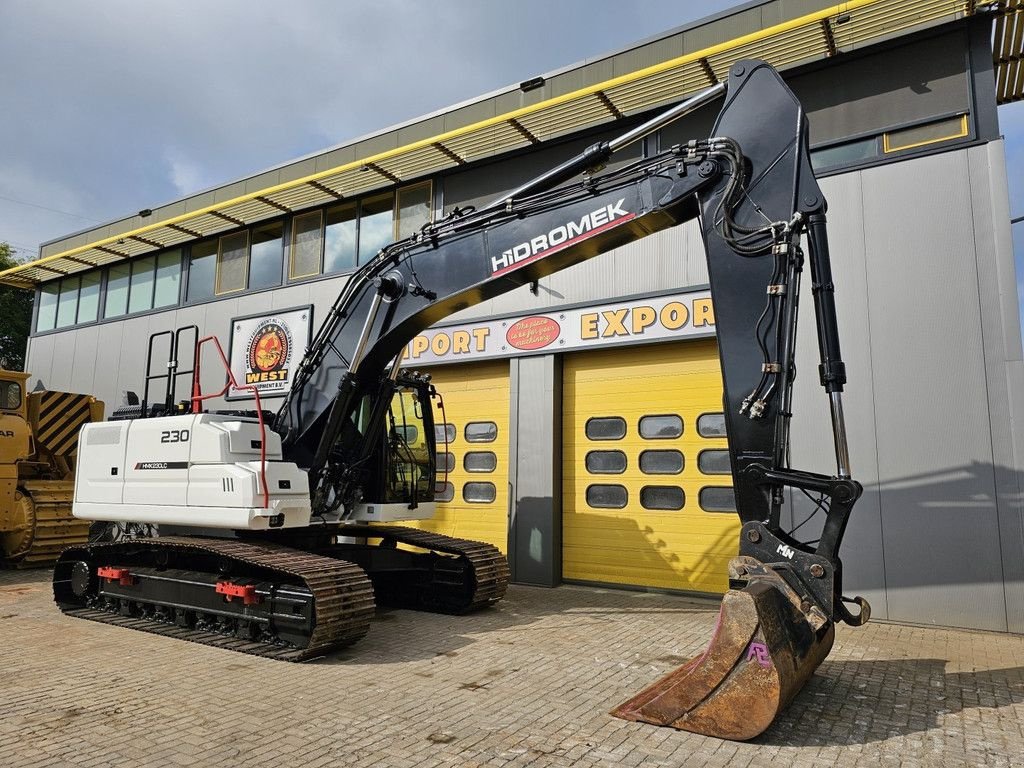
(198, 397)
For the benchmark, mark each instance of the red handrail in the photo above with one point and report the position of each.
(198, 397)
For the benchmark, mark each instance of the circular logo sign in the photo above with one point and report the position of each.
(269, 348)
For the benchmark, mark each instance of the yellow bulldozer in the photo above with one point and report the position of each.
(38, 444)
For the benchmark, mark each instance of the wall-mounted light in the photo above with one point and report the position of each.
(532, 84)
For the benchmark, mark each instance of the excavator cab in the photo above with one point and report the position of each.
(409, 459)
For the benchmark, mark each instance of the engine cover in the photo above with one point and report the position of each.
(193, 470)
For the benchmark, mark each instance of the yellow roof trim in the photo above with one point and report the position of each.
(925, 11)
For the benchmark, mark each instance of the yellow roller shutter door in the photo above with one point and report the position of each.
(646, 485)
(474, 503)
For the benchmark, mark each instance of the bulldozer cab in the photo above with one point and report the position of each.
(14, 432)
(12, 392)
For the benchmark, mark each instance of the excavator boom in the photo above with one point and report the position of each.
(753, 189)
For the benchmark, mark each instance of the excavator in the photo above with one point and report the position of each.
(276, 534)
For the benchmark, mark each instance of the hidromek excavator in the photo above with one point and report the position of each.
(282, 519)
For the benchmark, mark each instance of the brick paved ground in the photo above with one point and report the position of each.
(526, 684)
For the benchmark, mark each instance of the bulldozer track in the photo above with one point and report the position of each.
(50, 522)
(343, 595)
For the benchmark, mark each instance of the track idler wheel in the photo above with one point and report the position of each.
(763, 650)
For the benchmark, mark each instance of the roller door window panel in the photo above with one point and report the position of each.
(606, 428)
(664, 427)
(480, 461)
(662, 462)
(606, 462)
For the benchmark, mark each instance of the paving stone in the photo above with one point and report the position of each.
(528, 683)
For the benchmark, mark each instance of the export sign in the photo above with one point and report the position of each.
(266, 348)
(684, 315)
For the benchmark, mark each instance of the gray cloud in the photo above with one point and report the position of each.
(117, 105)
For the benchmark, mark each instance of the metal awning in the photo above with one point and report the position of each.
(840, 28)
(1007, 49)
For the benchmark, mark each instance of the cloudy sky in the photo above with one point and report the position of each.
(115, 105)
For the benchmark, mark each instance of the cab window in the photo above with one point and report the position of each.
(10, 396)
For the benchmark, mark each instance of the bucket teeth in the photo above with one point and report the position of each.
(762, 651)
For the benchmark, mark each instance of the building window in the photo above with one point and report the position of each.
(479, 493)
(847, 153)
(605, 428)
(232, 263)
(46, 317)
(202, 270)
(413, 209)
(140, 292)
(607, 496)
(711, 425)
(340, 238)
(117, 290)
(266, 256)
(307, 244)
(662, 497)
(67, 303)
(923, 135)
(661, 462)
(376, 224)
(89, 297)
(168, 279)
(606, 462)
(661, 427)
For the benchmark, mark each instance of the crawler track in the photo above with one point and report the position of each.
(469, 575)
(341, 595)
(48, 525)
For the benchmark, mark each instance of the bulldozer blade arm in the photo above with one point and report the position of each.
(763, 650)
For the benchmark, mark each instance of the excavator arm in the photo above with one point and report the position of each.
(758, 202)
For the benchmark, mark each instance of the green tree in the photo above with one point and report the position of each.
(15, 316)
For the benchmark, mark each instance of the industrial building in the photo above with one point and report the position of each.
(583, 412)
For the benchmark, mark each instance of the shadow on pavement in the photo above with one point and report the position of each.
(865, 701)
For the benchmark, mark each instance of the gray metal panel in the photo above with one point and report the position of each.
(108, 365)
(62, 372)
(921, 80)
(535, 527)
(1000, 320)
(39, 361)
(937, 489)
(84, 367)
(812, 445)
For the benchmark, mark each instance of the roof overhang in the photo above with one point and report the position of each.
(815, 36)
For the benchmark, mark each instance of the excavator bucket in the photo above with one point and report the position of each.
(763, 650)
